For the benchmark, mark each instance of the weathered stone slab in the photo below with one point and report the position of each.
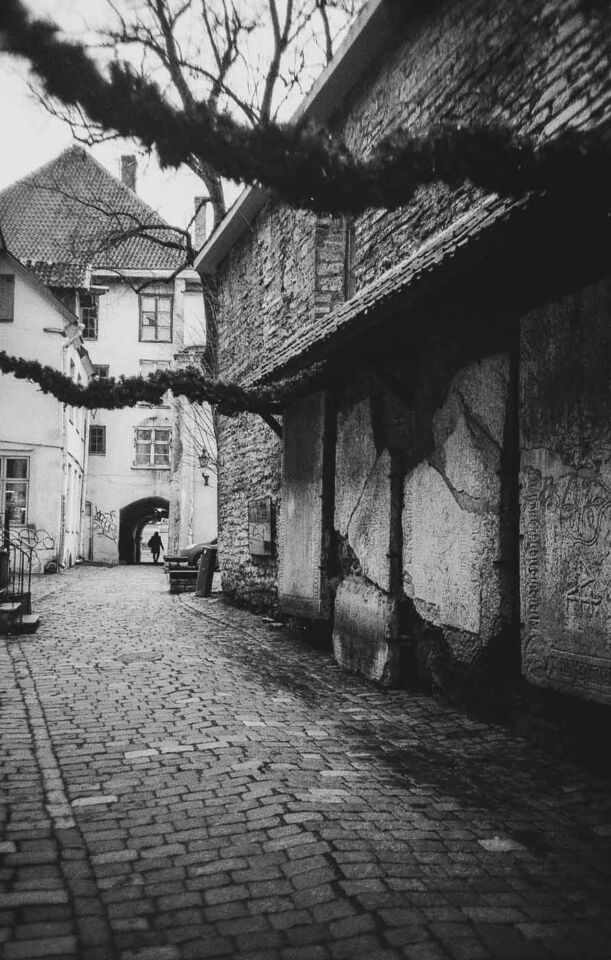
(451, 527)
(565, 420)
(301, 520)
(365, 630)
(440, 557)
(363, 493)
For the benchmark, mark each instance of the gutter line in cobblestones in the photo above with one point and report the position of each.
(71, 848)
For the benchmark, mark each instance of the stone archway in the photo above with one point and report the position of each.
(132, 519)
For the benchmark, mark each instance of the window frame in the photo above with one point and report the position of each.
(155, 365)
(9, 280)
(72, 376)
(94, 306)
(154, 445)
(97, 367)
(100, 431)
(4, 480)
(156, 296)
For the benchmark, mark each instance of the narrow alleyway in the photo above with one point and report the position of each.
(182, 780)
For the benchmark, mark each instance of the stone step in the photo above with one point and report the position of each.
(9, 609)
(29, 623)
(9, 612)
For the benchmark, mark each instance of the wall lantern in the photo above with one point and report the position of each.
(203, 462)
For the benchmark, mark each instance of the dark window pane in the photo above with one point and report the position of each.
(97, 440)
(7, 296)
(17, 468)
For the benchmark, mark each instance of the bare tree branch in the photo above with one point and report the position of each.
(306, 168)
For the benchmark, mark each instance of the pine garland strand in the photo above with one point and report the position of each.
(114, 394)
(189, 382)
(305, 167)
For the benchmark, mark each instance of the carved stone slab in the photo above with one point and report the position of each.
(565, 564)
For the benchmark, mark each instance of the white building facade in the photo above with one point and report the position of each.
(144, 460)
(43, 443)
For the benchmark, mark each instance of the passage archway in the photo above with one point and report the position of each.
(132, 519)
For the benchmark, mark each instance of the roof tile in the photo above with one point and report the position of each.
(70, 211)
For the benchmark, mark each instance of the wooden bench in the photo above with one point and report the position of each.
(174, 562)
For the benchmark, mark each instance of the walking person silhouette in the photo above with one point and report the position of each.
(155, 546)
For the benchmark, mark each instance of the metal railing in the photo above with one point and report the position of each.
(15, 580)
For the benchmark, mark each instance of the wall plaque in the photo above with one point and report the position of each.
(261, 527)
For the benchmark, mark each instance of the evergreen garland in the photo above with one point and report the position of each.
(304, 166)
(189, 382)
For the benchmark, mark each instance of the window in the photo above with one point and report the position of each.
(70, 408)
(89, 315)
(100, 372)
(97, 440)
(14, 482)
(7, 297)
(152, 447)
(156, 317)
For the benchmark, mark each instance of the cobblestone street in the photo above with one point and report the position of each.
(181, 779)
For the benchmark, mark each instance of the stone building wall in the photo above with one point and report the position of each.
(266, 288)
(424, 509)
(285, 273)
(535, 65)
(249, 467)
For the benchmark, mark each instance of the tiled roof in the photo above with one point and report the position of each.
(444, 251)
(60, 274)
(64, 213)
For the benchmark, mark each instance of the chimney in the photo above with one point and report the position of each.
(199, 223)
(129, 165)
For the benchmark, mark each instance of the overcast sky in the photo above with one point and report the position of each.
(32, 137)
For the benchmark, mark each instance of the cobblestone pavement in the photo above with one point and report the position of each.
(182, 780)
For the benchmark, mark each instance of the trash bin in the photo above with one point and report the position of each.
(205, 573)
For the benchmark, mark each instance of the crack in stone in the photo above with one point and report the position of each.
(464, 500)
(361, 495)
(473, 421)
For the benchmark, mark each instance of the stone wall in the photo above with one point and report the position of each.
(536, 65)
(267, 287)
(249, 467)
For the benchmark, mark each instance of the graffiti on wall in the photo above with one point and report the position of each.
(104, 523)
(36, 540)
